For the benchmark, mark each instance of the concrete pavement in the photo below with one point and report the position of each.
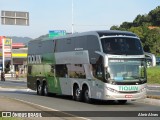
(28, 111)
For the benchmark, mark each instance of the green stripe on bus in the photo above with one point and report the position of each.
(54, 85)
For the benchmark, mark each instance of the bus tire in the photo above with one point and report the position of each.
(39, 89)
(86, 97)
(46, 93)
(77, 93)
(122, 101)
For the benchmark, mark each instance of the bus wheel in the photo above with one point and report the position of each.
(39, 89)
(46, 93)
(77, 93)
(122, 101)
(86, 97)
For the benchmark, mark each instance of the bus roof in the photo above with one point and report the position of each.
(115, 33)
(100, 33)
(96, 33)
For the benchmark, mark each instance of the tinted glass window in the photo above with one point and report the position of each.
(49, 70)
(98, 69)
(76, 71)
(122, 45)
(61, 71)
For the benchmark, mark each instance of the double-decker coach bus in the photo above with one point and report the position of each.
(104, 65)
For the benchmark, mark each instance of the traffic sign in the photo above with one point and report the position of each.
(56, 33)
(14, 18)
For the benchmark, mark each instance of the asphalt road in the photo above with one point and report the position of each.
(65, 103)
(21, 83)
(13, 84)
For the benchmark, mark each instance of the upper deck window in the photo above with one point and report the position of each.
(122, 45)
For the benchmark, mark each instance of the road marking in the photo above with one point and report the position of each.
(49, 108)
(14, 89)
(29, 90)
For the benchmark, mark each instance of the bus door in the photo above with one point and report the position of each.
(51, 79)
(94, 75)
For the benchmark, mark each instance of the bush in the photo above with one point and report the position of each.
(153, 75)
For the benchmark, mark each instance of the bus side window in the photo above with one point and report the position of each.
(61, 70)
(98, 70)
(49, 69)
(76, 71)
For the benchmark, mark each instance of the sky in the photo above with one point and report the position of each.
(88, 15)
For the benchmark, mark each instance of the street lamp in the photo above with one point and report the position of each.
(3, 56)
(72, 18)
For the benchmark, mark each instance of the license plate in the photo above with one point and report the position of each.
(128, 96)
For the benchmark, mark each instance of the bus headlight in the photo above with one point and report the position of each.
(112, 90)
(143, 89)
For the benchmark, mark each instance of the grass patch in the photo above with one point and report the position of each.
(153, 75)
(9, 118)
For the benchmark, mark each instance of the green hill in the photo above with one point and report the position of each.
(147, 27)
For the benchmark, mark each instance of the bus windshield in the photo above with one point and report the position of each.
(121, 45)
(127, 70)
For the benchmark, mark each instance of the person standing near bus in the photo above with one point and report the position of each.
(2, 76)
(17, 74)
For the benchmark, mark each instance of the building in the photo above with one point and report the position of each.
(16, 54)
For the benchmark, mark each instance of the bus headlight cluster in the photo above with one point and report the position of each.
(142, 90)
(112, 90)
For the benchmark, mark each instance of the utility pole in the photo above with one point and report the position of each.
(72, 18)
(3, 56)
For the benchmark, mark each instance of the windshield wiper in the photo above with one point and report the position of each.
(116, 53)
(139, 78)
(135, 77)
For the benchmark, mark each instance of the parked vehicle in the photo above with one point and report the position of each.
(157, 60)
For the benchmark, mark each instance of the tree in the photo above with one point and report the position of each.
(114, 27)
(126, 25)
(140, 26)
(136, 21)
(153, 41)
(138, 31)
(155, 16)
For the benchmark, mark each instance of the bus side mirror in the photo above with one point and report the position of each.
(107, 75)
(151, 58)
